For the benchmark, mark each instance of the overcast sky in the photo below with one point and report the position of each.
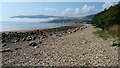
(72, 9)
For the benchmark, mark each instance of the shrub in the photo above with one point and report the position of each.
(116, 44)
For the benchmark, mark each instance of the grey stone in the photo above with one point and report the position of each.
(23, 39)
(7, 50)
(3, 45)
(29, 38)
(33, 44)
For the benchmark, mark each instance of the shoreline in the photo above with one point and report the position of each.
(58, 46)
(32, 29)
(32, 34)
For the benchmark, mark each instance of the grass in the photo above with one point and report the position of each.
(114, 30)
(102, 34)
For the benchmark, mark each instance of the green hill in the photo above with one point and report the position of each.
(109, 19)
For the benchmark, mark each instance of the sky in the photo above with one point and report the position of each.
(59, 0)
(71, 9)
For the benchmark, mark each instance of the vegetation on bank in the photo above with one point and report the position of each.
(103, 34)
(116, 44)
(107, 18)
(109, 21)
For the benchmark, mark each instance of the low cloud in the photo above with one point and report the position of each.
(78, 11)
(51, 9)
(87, 9)
(107, 5)
(29, 20)
(47, 8)
(68, 11)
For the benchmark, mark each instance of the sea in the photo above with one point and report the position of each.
(12, 26)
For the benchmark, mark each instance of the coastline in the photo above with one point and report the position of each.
(68, 45)
(25, 30)
(41, 31)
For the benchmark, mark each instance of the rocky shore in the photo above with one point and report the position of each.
(14, 37)
(69, 45)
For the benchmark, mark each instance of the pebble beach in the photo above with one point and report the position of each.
(65, 46)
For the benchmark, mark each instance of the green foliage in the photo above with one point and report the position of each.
(116, 44)
(107, 18)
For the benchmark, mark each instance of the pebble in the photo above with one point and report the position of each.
(15, 41)
(36, 47)
(3, 45)
(17, 48)
(7, 50)
(23, 39)
(84, 42)
(40, 42)
(33, 44)
(76, 54)
(29, 38)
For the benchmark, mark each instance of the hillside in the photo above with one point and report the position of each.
(58, 19)
(107, 17)
(36, 16)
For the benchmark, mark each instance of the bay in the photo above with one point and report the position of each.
(11, 26)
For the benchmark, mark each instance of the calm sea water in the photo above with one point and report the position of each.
(10, 26)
